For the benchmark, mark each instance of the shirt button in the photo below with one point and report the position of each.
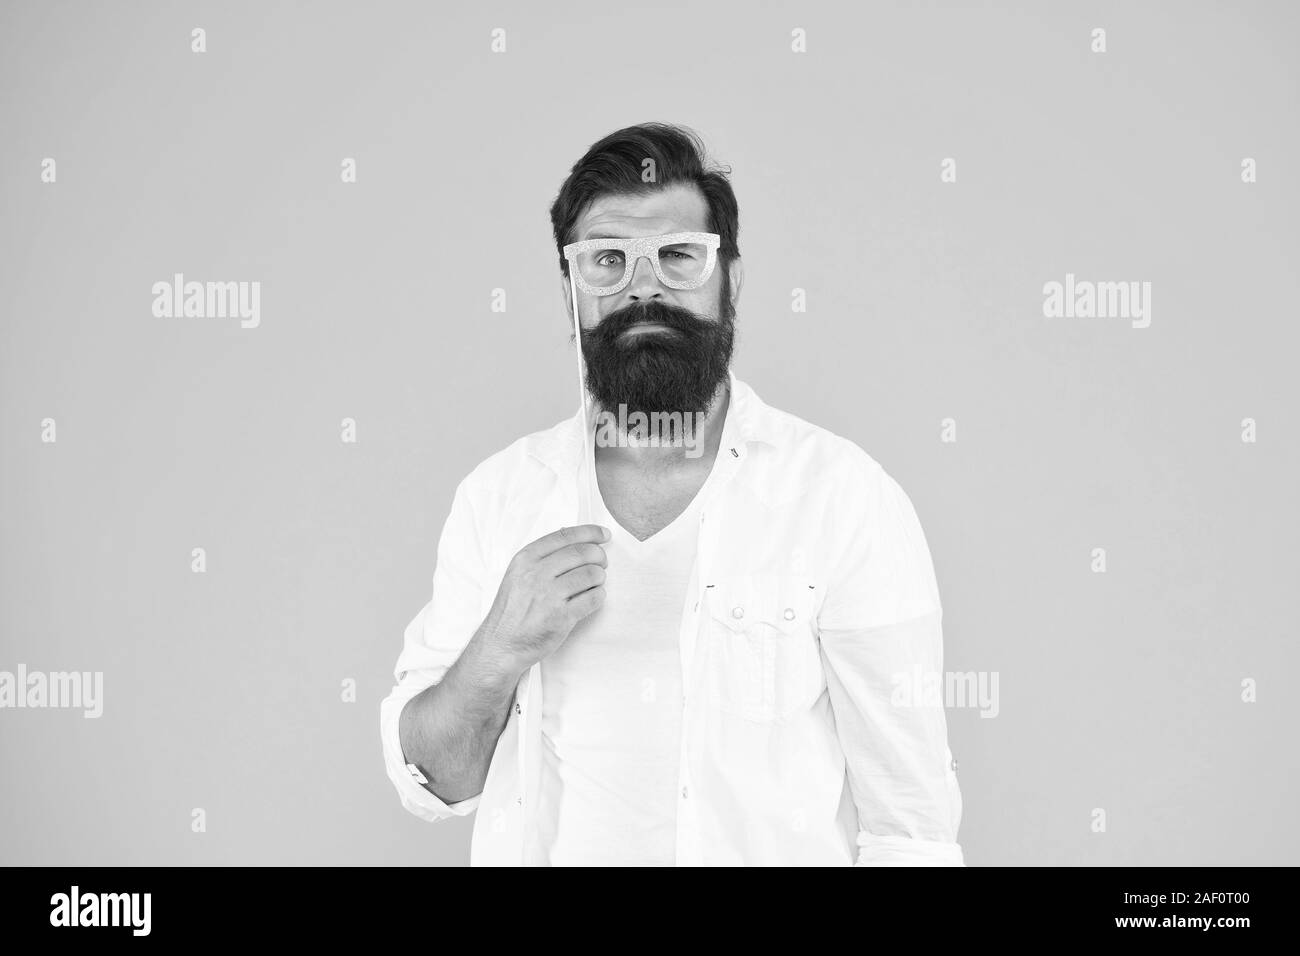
(789, 614)
(518, 709)
(737, 612)
(684, 793)
(954, 763)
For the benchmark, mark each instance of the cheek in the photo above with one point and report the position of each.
(705, 307)
(706, 300)
(591, 310)
(595, 310)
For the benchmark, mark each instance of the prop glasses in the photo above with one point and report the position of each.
(681, 260)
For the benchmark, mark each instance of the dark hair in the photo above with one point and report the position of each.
(613, 166)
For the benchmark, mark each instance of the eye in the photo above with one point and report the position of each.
(675, 254)
(609, 258)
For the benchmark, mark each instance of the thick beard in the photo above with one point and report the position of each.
(679, 370)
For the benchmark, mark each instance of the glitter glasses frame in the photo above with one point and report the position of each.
(643, 247)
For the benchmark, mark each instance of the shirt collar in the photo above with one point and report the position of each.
(749, 420)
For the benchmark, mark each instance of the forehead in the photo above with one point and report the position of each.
(677, 208)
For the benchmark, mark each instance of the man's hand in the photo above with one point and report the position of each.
(549, 586)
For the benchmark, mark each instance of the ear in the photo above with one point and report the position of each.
(566, 289)
(737, 273)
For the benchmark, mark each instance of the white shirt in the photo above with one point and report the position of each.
(813, 593)
(612, 717)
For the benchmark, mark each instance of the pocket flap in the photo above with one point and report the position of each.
(780, 601)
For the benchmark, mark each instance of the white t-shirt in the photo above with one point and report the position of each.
(612, 708)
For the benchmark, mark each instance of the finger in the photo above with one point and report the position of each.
(584, 604)
(573, 556)
(578, 534)
(581, 578)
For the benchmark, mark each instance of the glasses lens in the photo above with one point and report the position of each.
(602, 267)
(683, 261)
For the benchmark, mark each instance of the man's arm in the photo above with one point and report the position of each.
(449, 731)
(434, 641)
(881, 625)
(456, 676)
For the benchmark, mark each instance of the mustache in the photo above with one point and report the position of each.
(612, 327)
(679, 370)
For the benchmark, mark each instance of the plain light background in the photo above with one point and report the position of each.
(1119, 691)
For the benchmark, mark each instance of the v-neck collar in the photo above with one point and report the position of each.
(668, 531)
(734, 425)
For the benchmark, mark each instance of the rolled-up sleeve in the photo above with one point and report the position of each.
(882, 640)
(431, 643)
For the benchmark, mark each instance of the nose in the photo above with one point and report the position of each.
(644, 283)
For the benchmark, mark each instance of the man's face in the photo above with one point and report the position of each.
(649, 347)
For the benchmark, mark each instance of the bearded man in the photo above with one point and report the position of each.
(677, 647)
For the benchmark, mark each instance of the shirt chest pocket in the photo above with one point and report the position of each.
(762, 661)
